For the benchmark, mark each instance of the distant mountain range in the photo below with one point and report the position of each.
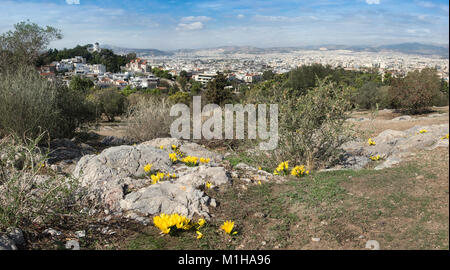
(139, 52)
(407, 48)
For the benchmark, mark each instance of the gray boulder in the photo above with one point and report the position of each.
(393, 145)
(116, 180)
(166, 197)
(109, 175)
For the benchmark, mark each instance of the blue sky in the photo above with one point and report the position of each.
(170, 24)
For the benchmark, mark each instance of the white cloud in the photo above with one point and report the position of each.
(426, 4)
(189, 26)
(73, 2)
(195, 19)
(373, 2)
(240, 16)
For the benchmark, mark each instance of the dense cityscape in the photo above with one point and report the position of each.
(240, 66)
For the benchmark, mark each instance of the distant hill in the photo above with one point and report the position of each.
(139, 52)
(407, 48)
(417, 48)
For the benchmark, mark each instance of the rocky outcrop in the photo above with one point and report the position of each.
(116, 179)
(392, 146)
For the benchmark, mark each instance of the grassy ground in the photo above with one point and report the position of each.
(405, 207)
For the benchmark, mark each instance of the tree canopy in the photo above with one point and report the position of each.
(24, 44)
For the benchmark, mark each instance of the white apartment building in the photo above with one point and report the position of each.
(203, 78)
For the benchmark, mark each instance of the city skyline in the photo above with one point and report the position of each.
(170, 25)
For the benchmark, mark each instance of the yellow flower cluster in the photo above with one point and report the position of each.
(282, 168)
(228, 227)
(171, 223)
(173, 157)
(159, 176)
(371, 142)
(375, 158)
(208, 184)
(148, 168)
(190, 161)
(167, 223)
(299, 171)
(176, 150)
(445, 137)
(423, 131)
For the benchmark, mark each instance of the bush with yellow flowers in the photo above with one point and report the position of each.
(204, 160)
(423, 131)
(445, 137)
(371, 142)
(375, 158)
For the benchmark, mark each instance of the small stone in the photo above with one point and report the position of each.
(52, 232)
(324, 223)
(55, 168)
(361, 237)
(259, 215)
(213, 203)
(263, 243)
(73, 245)
(80, 234)
(234, 175)
(315, 239)
(373, 245)
(248, 180)
(420, 177)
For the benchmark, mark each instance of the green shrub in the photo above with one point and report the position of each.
(370, 95)
(216, 92)
(127, 91)
(311, 127)
(109, 101)
(31, 104)
(180, 97)
(80, 85)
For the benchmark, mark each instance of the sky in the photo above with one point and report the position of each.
(171, 24)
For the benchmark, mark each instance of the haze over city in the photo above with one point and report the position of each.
(169, 25)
